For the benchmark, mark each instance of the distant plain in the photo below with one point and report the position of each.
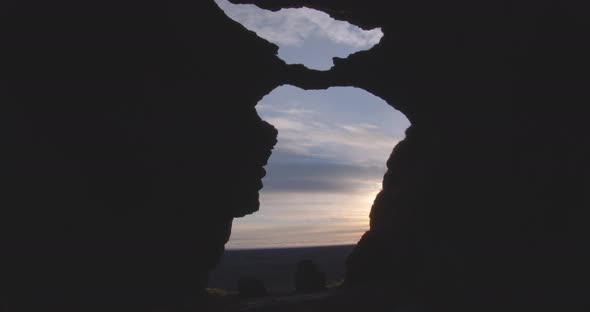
(276, 267)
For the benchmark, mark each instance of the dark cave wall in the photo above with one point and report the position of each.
(130, 141)
(485, 201)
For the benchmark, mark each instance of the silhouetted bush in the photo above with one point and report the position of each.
(251, 287)
(335, 284)
(216, 292)
(309, 277)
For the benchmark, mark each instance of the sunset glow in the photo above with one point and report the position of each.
(333, 144)
(326, 169)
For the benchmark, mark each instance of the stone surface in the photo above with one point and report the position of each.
(130, 142)
(486, 199)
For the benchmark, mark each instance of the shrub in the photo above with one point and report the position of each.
(251, 287)
(216, 292)
(309, 277)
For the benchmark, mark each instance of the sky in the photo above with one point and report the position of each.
(304, 36)
(333, 144)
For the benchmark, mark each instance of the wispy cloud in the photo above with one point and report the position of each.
(303, 219)
(340, 143)
(291, 27)
(321, 177)
(308, 132)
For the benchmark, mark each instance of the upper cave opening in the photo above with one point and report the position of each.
(304, 36)
(326, 169)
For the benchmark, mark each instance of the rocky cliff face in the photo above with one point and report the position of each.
(485, 199)
(130, 141)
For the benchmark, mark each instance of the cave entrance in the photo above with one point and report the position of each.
(329, 162)
(304, 36)
(325, 170)
(333, 144)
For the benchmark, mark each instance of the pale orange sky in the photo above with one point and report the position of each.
(325, 171)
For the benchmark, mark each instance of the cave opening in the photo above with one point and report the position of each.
(329, 162)
(326, 169)
(322, 178)
(304, 36)
(333, 143)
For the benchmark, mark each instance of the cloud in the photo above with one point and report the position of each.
(303, 236)
(312, 227)
(339, 125)
(305, 135)
(352, 143)
(317, 177)
(291, 27)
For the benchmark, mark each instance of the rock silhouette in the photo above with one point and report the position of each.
(309, 277)
(130, 141)
(485, 200)
(251, 287)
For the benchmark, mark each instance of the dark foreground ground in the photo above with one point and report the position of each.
(275, 267)
(329, 300)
